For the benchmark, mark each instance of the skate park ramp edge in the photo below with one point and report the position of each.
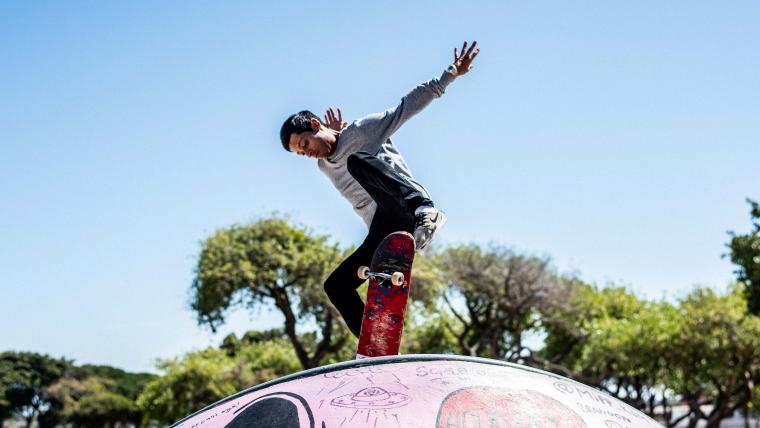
(441, 391)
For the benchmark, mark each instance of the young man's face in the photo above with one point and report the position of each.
(317, 144)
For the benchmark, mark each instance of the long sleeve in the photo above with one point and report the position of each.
(372, 134)
(380, 126)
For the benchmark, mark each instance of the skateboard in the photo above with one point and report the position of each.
(390, 277)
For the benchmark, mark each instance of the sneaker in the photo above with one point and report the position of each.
(428, 221)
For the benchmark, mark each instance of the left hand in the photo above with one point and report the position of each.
(334, 122)
(463, 60)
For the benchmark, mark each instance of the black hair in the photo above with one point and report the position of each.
(297, 123)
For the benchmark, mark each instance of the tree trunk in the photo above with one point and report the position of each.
(282, 302)
(694, 418)
(713, 421)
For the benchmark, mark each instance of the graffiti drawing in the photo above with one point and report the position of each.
(373, 398)
(417, 391)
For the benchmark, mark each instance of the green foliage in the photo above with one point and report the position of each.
(753, 407)
(427, 280)
(428, 331)
(716, 351)
(745, 254)
(257, 336)
(203, 377)
(91, 402)
(122, 382)
(243, 264)
(612, 325)
(54, 391)
(272, 263)
(269, 359)
(24, 381)
(105, 408)
(705, 350)
(230, 345)
(190, 383)
(621, 341)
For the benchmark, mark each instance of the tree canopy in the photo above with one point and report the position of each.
(272, 263)
(25, 378)
(745, 254)
(203, 377)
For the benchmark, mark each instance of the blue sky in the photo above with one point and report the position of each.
(620, 138)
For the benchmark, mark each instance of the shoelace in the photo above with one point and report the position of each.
(426, 221)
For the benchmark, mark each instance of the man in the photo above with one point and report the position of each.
(364, 165)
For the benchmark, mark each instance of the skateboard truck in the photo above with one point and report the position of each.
(397, 278)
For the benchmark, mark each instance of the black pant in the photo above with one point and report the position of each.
(396, 202)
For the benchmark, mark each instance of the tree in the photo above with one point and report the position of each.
(119, 381)
(91, 403)
(718, 358)
(203, 377)
(427, 331)
(703, 351)
(6, 409)
(104, 408)
(613, 340)
(97, 395)
(24, 381)
(272, 263)
(505, 298)
(230, 345)
(191, 383)
(745, 254)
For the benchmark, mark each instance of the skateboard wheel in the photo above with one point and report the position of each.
(363, 272)
(397, 278)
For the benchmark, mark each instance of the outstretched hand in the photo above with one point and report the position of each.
(334, 122)
(463, 60)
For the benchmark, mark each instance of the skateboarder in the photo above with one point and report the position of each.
(369, 171)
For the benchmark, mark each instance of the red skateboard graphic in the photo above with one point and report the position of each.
(390, 276)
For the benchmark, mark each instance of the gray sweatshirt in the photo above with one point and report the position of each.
(372, 134)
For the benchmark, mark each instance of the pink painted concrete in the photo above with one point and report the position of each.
(421, 391)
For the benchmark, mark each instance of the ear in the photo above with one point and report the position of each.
(316, 125)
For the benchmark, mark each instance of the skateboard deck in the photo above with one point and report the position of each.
(384, 312)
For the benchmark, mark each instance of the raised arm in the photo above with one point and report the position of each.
(383, 125)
